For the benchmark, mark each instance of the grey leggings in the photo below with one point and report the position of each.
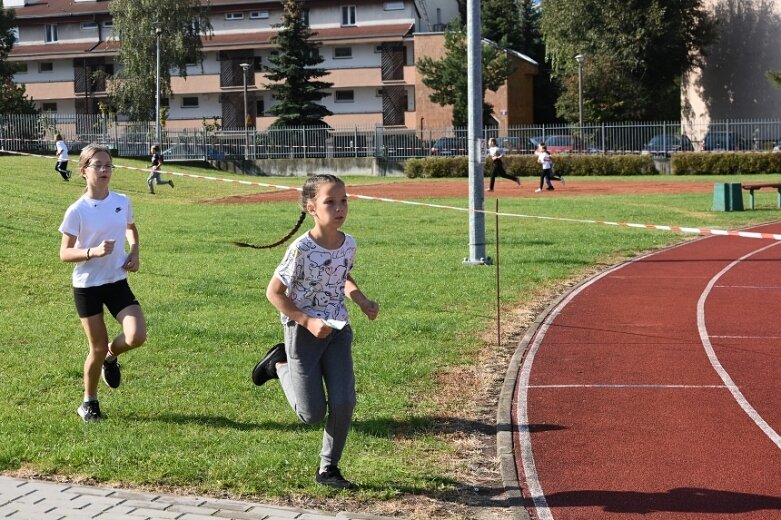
(154, 178)
(310, 362)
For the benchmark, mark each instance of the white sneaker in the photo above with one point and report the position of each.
(538, 190)
(562, 181)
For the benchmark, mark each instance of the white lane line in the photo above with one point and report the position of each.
(744, 337)
(714, 360)
(524, 435)
(749, 286)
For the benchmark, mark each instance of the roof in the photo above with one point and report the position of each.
(247, 40)
(60, 8)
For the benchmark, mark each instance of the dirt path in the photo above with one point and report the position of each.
(425, 189)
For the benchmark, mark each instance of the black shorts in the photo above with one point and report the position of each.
(115, 296)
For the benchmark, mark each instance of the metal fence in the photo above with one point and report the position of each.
(35, 133)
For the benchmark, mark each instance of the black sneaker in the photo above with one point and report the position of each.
(89, 411)
(112, 376)
(171, 183)
(267, 367)
(69, 174)
(332, 477)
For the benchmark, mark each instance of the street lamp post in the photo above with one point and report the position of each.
(158, 33)
(245, 68)
(580, 59)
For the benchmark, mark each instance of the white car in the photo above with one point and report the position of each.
(777, 147)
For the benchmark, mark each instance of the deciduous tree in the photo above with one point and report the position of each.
(182, 24)
(640, 47)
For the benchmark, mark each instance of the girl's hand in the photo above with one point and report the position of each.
(370, 309)
(317, 327)
(132, 263)
(104, 249)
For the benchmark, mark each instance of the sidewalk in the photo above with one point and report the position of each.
(38, 499)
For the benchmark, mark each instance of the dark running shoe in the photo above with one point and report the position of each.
(89, 411)
(332, 477)
(69, 174)
(171, 183)
(112, 376)
(267, 367)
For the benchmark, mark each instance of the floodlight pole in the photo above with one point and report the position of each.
(245, 68)
(158, 33)
(474, 133)
(580, 59)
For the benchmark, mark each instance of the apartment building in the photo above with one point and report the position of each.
(369, 48)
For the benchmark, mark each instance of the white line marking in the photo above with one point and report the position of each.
(714, 360)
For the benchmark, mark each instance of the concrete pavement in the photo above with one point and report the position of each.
(42, 500)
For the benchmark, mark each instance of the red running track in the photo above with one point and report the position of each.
(654, 390)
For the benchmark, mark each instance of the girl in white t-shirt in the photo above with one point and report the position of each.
(62, 157)
(90, 229)
(309, 288)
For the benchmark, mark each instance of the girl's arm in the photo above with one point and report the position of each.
(275, 292)
(133, 262)
(70, 253)
(370, 308)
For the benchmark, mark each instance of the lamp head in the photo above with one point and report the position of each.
(580, 58)
(244, 66)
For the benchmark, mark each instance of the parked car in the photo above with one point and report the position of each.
(183, 151)
(519, 145)
(777, 147)
(666, 145)
(563, 144)
(450, 146)
(724, 141)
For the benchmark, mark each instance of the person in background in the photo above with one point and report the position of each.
(61, 151)
(497, 154)
(154, 173)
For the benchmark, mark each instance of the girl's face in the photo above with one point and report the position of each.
(98, 170)
(329, 207)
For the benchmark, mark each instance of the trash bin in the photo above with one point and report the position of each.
(727, 196)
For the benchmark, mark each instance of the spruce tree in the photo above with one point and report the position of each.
(294, 74)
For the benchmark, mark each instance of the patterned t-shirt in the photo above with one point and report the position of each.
(315, 277)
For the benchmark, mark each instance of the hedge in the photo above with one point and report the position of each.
(685, 163)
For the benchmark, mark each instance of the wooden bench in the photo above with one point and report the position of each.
(758, 186)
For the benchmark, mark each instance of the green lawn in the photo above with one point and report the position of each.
(187, 414)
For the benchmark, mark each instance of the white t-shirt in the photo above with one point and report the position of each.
(544, 158)
(496, 152)
(91, 222)
(62, 150)
(315, 277)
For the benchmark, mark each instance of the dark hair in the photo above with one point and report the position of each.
(308, 192)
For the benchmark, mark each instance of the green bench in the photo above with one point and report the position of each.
(758, 186)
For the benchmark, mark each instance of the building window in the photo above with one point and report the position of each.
(260, 107)
(348, 15)
(165, 102)
(45, 66)
(89, 26)
(343, 52)
(49, 107)
(393, 6)
(20, 68)
(51, 33)
(305, 16)
(379, 92)
(190, 102)
(258, 15)
(15, 33)
(344, 96)
(257, 63)
(108, 24)
(234, 16)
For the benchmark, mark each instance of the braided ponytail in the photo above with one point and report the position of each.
(281, 241)
(308, 193)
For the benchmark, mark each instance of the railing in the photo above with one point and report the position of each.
(35, 133)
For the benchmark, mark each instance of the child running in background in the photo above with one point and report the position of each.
(154, 174)
(497, 154)
(62, 157)
(90, 229)
(309, 288)
(544, 158)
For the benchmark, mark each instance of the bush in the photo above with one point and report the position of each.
(725, 163)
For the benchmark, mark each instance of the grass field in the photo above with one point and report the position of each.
(187, 415)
